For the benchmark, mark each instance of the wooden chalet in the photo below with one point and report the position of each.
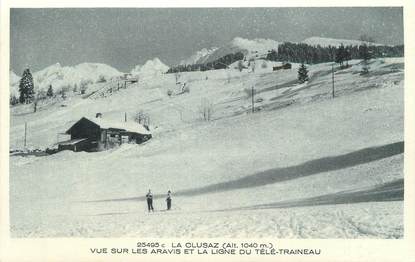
(100, 134)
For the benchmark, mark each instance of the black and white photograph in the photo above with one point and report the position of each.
(207, 122)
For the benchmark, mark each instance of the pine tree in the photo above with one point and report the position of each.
(302, 74)
(49, 93)
(347, 54)
(26, 87)
(340, 55)
(365, 55)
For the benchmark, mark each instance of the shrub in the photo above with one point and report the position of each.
(84, 85)
(49, 93)
(13, 100)
(142, 118)
(240, 65)
(101, 79)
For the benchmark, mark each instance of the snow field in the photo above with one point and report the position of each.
(295, 172)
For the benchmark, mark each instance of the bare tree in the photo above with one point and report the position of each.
(35, 102)
(206, 109)
(252, 62)
(142, 118)
(240, 65)
(177, 77)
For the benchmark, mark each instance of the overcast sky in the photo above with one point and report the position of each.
(124, 38)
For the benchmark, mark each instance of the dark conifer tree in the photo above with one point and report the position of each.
(365, 55)
(49, 93)
(347, 54)
(340, 55)
(26, 87)
(302, 74)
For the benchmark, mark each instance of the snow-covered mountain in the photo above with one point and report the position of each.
(59, 76)
(150, 68)
(66, 76)
(198, 56)
(254, 48)
(325, 42)
(14, 78)
(14, 83)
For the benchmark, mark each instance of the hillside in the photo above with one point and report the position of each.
(257, 48)
(304, 165)
(254, 48)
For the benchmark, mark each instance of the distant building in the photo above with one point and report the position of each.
(100, 134)
(128, 77)
(283, 66)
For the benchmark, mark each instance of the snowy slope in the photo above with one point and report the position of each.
(325, 42)
(254, 48)
(303, 165)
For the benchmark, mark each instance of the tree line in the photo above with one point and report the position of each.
(220, 63)
(303, 53)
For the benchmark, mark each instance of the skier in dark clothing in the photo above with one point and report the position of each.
(149, 198)
(168, 200)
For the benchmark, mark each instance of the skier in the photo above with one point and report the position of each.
(149, 198)
(168, 200)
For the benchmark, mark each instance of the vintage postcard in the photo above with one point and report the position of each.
(207, 132)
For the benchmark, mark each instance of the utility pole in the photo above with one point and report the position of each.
(25, 131)
(253, 93)
(125, 117)
(332, 79)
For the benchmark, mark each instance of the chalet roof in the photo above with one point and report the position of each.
(133, 127)
(127, 126)
(72, 142)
